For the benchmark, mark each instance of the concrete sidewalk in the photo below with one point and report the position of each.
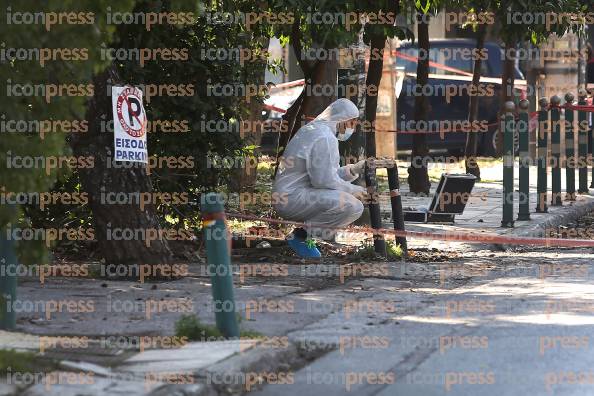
(483, 212)
(187, 370)
(319, 311)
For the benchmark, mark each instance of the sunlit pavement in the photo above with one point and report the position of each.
(506, 324)
(489, 323)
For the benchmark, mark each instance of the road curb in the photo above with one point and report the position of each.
(577, 210)
(228, 377)
(539, 230)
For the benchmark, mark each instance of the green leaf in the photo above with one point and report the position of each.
(424, 8)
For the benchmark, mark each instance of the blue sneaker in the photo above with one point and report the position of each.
(304, 248)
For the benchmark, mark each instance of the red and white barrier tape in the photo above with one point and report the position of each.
(454, 236)
(289, 84)
(431, 64)
(585, 108)
(413, 132)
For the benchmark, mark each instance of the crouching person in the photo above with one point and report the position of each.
(319, 193)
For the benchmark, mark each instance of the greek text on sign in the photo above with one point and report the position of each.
(129, 122)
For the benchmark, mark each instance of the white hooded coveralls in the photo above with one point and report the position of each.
(318, 192)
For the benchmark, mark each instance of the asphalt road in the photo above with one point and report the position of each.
(512, 323)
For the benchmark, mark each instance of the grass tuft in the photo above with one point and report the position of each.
(190, 326)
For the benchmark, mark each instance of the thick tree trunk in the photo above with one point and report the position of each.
(372, 83)
(472, 137)
(373, 80)
(308, 106)
(418, 178)
(252, 135)
(288, 119)
(102, 179)
(316, 73)
(245, 178)
(324, 75)
(507, 86)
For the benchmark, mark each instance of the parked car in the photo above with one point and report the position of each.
(451, 57)
(455, 56)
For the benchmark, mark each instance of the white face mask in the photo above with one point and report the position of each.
(346, 135)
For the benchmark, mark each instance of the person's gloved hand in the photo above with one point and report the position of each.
(357, 168)
(360, 193)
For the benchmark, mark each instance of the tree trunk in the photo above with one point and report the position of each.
(507, 86)
(308, 106)
(288, 119)
(245, 177)
(102, 179)
(252, 136)
(472, 138)
(316, 73)
(418, 178)
(324, 75)
(374, 78)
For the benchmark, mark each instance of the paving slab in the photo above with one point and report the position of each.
(18, 341)
(191, 357)
(98, 386)
(152, 372)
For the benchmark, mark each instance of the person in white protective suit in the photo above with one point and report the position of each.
(318, 191)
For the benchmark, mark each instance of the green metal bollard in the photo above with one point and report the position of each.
(582, 144)
(218, 245)
(508, 165)
(556, 151)
(8, 283)
(524, 158)
(541, 182)
(569, 149)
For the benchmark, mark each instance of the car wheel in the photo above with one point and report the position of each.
(489, 143)
(490, 148)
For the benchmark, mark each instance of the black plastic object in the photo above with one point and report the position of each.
(450, 198)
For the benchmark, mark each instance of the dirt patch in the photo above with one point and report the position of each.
(582, 228)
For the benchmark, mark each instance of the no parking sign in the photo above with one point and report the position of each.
(129, 125)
